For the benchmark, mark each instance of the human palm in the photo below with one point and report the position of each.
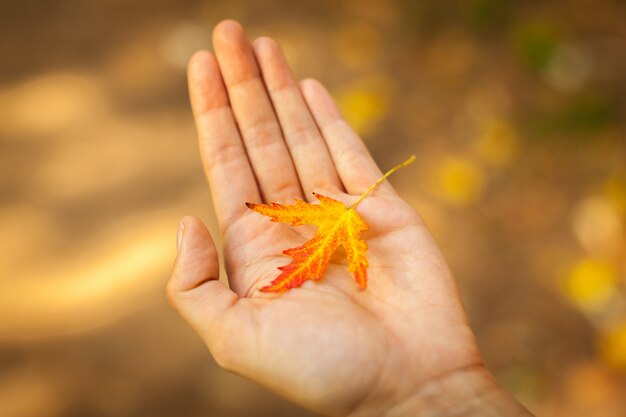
(327, 345)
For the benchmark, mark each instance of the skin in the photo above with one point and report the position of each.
(402, 346)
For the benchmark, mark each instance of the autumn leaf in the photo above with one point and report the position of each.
(337, 225)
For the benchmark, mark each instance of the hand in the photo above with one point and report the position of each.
(400, 346)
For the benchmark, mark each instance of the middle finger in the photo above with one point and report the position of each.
(259, 127)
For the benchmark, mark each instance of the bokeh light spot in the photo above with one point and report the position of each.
(459, 181)
(591, 283)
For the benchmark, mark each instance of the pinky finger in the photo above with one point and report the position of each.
(353, 162)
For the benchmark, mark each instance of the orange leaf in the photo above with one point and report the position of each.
(337, 225)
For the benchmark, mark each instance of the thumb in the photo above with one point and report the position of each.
(194, 289)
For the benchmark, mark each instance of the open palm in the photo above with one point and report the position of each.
(326, 345)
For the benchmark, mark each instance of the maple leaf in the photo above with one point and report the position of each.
(337, 225)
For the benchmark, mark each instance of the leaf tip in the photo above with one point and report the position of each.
(360, 275)
(272, 288)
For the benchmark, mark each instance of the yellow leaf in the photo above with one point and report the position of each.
(337, 225)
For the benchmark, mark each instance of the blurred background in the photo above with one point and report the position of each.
(514, 108)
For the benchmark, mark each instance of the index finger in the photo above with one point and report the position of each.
(224, 157)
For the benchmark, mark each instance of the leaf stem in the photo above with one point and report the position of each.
(381, 179)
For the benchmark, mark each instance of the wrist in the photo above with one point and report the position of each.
(469, 392)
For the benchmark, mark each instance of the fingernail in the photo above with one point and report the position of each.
(179, 236)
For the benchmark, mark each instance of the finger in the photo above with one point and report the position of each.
(222, 151)
(215, 312)
(255, 116)
(355, 165)
(309, 153)
(194, 288)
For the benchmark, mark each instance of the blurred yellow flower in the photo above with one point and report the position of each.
(613, 347)
(497, 142)
(366, 103)
(591, 283)
(459, 181)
